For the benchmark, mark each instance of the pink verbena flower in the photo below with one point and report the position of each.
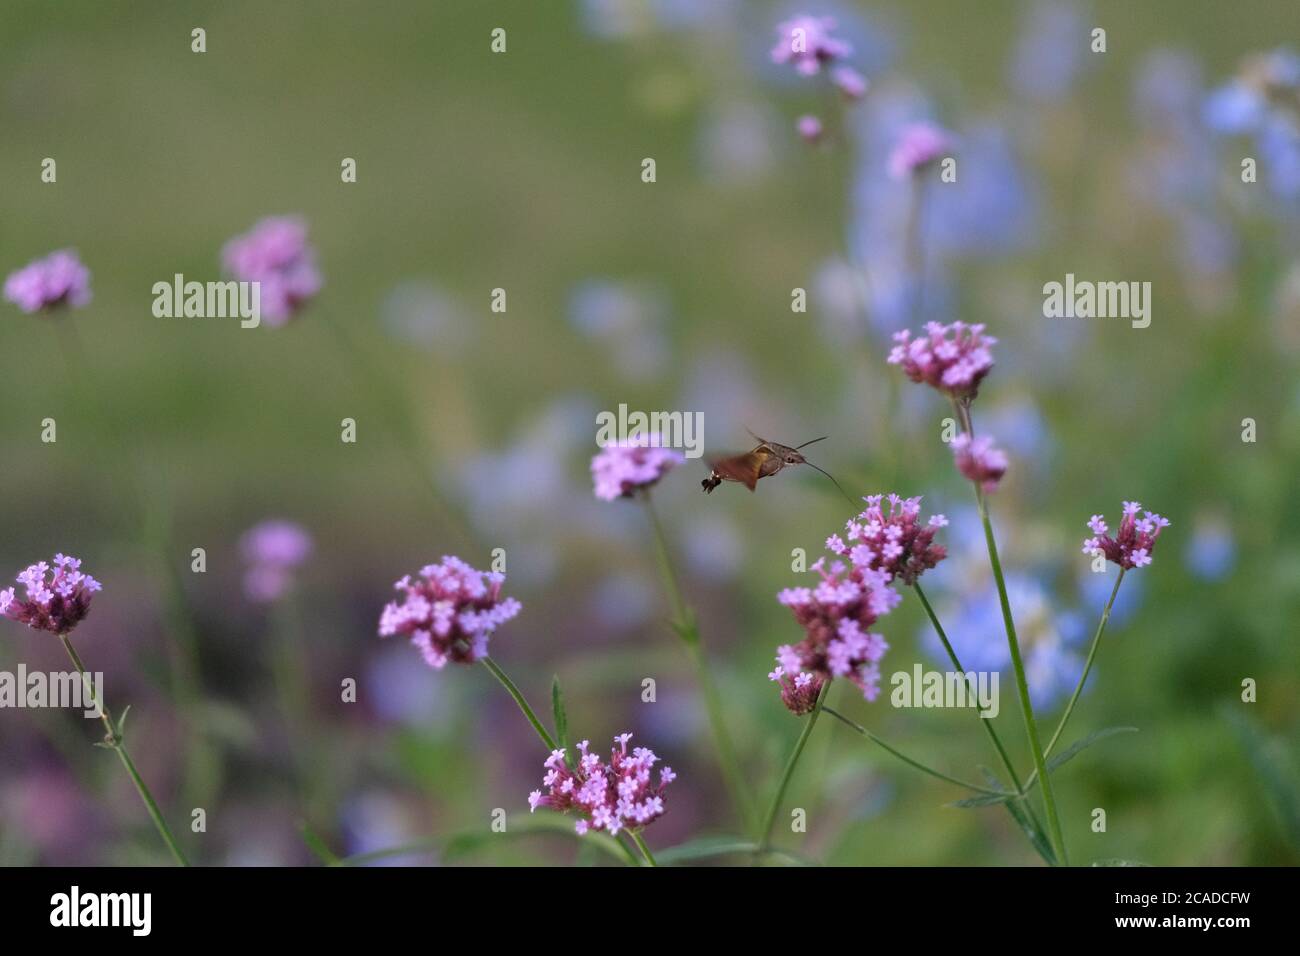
(807, 43)
(616, 796)
(449, 611)
(622, 468)
(835, 616)
(919, 145)
(54, 602)
(979, 460)
(891, 538)
(45, 284)
(275, 253)
(952, 358)
(800, 692)
(272, 551)
(1132, 547)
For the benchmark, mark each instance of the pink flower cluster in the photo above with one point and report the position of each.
(616, 796)
(275, 253)
(798, 693)
(979, 460)
(58, 279)
(919, 145)
(952, 358)
(622, 468)
(1132, 547)
(56, 603)
(449, 611)
(835, 616)
(807, 43)
(272, 550)
(891, 538)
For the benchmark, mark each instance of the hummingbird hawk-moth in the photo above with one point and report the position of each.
(765, 460)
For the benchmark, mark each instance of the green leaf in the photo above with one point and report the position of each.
(317, 845)
(1273, 769)
(561, 720)
(1117, 862)
(1036, 837)
(121, 721)
(1086, 742)
(983, 800)
(705, 847)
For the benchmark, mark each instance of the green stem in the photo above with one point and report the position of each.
(1021, 790)
(687, 628)
(788, 773)
(908, 760)
(1022, 685)
(952, 656)
(518, 695)
(640, 845)
(114, 742)
(1087, 669)
(962, 407)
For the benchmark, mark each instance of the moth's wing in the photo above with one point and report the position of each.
(743, 468)
(772, 462)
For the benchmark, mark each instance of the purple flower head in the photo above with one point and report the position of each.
(449, 611)
(952, 358)
(810, 128)
(800, 692)
(835, 616)
(57, 598)
(1132, 546)
(276, 254)
(807, 43)
(45, 284)
(889, 536)
(272, 550)
(614, 796)
(622, 468)
(919, 145)
(979, 460)
(849, 82)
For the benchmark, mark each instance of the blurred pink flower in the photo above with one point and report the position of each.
(979, 460)
(56, 603)
(835, 616)
(45, 284)
(615, 796)
(449, 612)
(1132, 547)
(849, 82)
(276, 254)
(807, 43)
(272, 551)
(952, 358)
(622, 468)
(891, 539)
(919, 145)
(809, 128)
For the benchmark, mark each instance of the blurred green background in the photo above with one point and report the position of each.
(521, 171)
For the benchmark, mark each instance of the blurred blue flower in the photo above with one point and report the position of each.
(377, 821)
(628, 318)
(739, 142)
(420, 312)
(1211, 551)
(1049, 639)
(1095, 588)
(1050, 54)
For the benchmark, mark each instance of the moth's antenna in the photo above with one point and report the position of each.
(833, 481)
(813, 442)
